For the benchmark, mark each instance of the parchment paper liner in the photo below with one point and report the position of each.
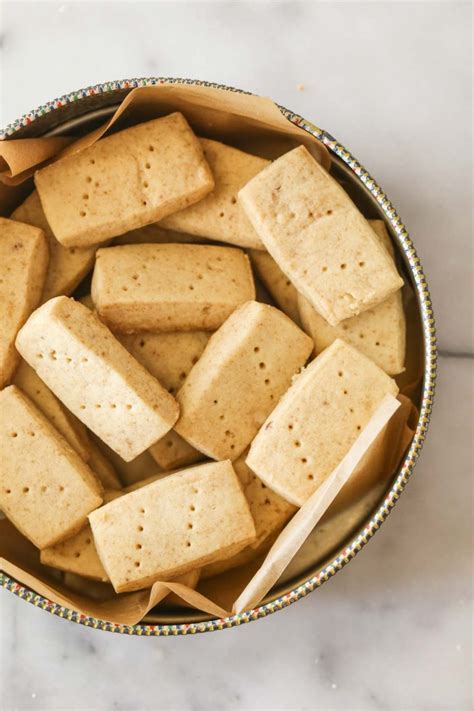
(257, 125)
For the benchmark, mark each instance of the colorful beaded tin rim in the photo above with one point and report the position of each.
(406, 470)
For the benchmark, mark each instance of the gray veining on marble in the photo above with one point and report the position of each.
(391, 81)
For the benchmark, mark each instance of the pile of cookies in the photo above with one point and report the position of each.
(173, 420)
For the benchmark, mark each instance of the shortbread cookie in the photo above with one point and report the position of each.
(318, 238)
(154, 234)
(169, 357)
(246, 367)
(46, 489)
(277, 283)
(124, 181)
(67, 265)
(102, 468)
(172, 451)
(66, 424)
(317, 421)
(23, 264)
(76, 555)
(172, 526)
(219, 215)
(379, 332)
(95, 377)
(169, 287)
(269, 511)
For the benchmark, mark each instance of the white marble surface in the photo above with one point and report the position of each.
(391, 80)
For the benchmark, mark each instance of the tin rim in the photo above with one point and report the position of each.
(428, 386)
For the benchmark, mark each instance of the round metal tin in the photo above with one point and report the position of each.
(98, 102)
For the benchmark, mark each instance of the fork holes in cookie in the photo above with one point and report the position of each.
(261, 365)
(26, 489)
(14, 434)
(311, 477)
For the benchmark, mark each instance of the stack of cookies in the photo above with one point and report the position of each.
(172, 421)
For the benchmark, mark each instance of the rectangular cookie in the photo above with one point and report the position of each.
(169, 357)
(169, 287)
(317, 421)
(173, 452)
(219, 215)
(318, 238)
(66, 424)
(269, 511)
(46, 489)
(76, 555)
(245, 369)
(155, 234)
(67, 265)
(124, 181)
(277, 283)
(172, 526)
(95, 377)
(23, 264)
(379, 332)
(103, 468)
